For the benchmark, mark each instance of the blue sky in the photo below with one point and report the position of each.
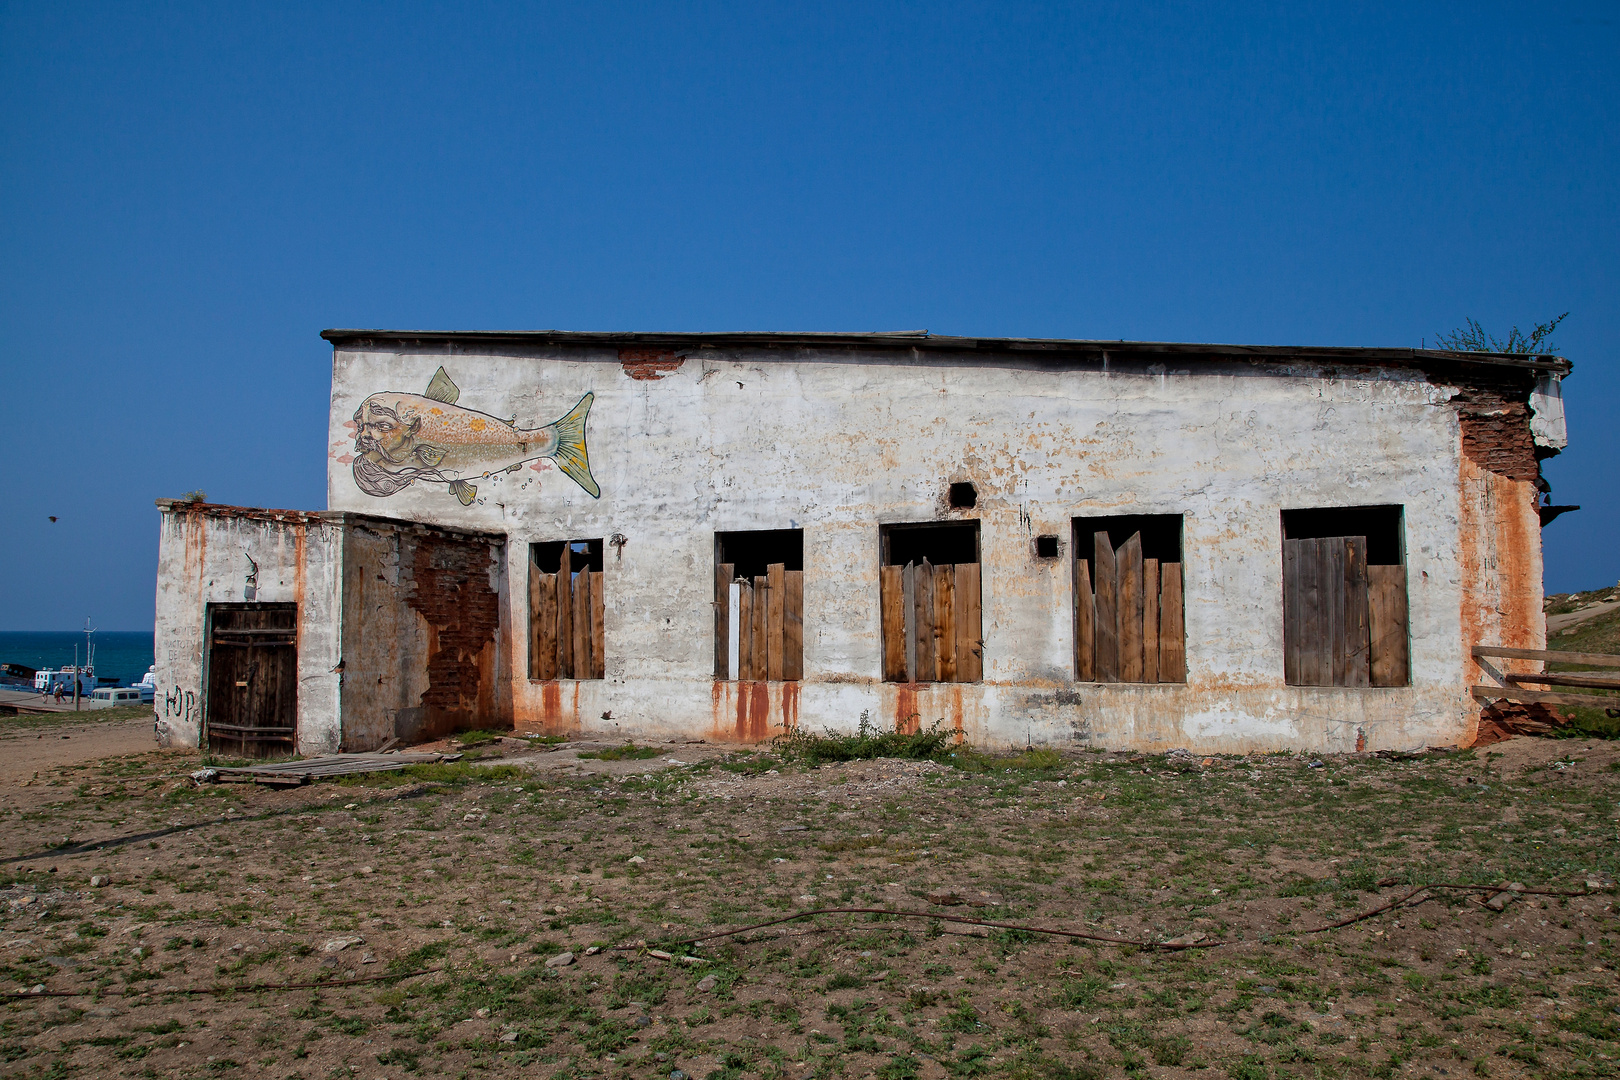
(189, 193)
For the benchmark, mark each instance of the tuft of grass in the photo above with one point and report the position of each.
(867, 743)
(628, 752)
(469, 739)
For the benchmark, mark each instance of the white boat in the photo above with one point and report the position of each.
(46, 681)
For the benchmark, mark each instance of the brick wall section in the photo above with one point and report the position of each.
(452, 592)
(1496, 431)
(649, 364)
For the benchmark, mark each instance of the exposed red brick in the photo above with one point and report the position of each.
(451, 590)
(1496, 432)
(650, 364)
(1505, 719)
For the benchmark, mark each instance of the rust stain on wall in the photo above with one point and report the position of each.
(650, 364)
(753, 711)
(790, 706)
(907, 717)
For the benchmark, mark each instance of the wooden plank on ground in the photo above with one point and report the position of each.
(908, 607)
(1150, 620)
(1128, 567)
(891, 601)
(1105, 582)
(1172, 625)
(927, 666)
(945, 621)
(1552, 656)
(1357, 634)
(793, 626)
(598, 627)
(1544, 697)
(745, 629)
(762, 627)
(565, 616)
(775, 627)
(722, 619)
(969, 638)
(581, 618)
(1387, 625)
(1085, 620)
(546, 626)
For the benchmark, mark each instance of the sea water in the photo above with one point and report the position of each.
(125, 654)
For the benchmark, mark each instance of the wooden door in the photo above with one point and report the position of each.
(252, 707)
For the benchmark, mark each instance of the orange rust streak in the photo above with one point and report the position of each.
(905, 708)
(790, 706)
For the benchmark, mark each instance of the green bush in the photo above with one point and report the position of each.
(867, 743)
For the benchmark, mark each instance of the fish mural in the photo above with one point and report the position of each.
(400, 439)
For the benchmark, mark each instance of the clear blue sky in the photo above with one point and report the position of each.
(189, 193)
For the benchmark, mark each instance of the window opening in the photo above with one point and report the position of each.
(1046, 547)
(964, 496)
(759, 605)
(566, 639)
(1344, 597)
(929, 591)
(1129, 623)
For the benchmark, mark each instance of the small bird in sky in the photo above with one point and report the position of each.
(53, 519)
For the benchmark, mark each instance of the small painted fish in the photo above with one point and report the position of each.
(403, 438)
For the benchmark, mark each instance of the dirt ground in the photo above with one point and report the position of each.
(451, 886)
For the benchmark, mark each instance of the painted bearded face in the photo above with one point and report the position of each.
(382, 436)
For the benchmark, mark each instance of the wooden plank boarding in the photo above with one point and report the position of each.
(927, 666)
(793, 626)
(969, 638)
(745, 629)
(1107, 623)
(1293, 613)
(546, 626)
(762, 628)
(565, 616)
(1549, 655)
(582, 624)
(1387, 625)
(1333, 605)
(1172, 625)
(534, 620)
(1128, 566)
(598, 627)
(775, 628)
(1357, 632)
(945, 621)
(891, 600)
(908, 602)
(722, 619)
(1085, 616)
(1150, 620)
(1590, 680)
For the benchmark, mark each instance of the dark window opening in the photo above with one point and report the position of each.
(582, 555)
(941, 543)
(964, 496)
(1129, 619)
(753, 553)
(1344, 597)
(929, 595)
(567, 635)
(1046, 547)
(759, 605)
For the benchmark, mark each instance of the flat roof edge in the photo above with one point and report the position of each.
(923, 340)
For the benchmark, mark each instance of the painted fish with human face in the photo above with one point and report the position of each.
(400, 439)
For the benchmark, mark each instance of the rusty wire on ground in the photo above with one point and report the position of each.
(1172, 945)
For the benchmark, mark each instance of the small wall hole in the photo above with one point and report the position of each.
(964, 496)
(1046, 547)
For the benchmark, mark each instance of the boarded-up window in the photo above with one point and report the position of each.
(759, 605)
(566, 610)
(1128, 616)
(930, 600)
(252, 708)
(1344, 597)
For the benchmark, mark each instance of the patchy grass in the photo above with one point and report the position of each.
(478, 874)
(36, 721)
(867, 743)
(627, 752)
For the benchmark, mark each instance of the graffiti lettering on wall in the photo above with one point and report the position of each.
(403, 438)
(179, 704)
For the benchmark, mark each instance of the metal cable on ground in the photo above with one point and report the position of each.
(1163, 946)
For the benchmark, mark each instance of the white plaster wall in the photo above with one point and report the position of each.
(837, 443)
(203, 559)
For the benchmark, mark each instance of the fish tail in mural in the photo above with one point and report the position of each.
(401, 439)
(570, 453)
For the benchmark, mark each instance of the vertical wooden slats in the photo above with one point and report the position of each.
(582, 625)
(945, 622)
(544, 591)
(1150, 620)
(1128, 567)
(1085, 617)
(775, 631)
(969, 624)
(762, 628)
(1293, 614)
(598, 628)
(1172, 626)
(1103, 580)
(1387, 624)
(1333, 609)
(927, 666)
(535, 662)
(793, 626)
(1356, 631)
(891, 598)
(908, 607)
(565, 616)
(1315, 665)
(745, 629)
(722, 620)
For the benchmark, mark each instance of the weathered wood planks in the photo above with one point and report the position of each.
(969, 624)
(931, 622)
(775, 628)
(1128, 567)
(1344, 621)
(1105, 583)
(793, 626)
(1172, 625)
(1150, 620)
(1387, 625)
(926, 668)
(891, 600)
(769, 620)
(722, 619)
(1085, 619)
(1127, 615)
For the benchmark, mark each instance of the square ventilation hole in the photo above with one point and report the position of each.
(964, 496)
(1046, 547)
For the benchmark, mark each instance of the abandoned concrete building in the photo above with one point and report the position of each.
(723, 536)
